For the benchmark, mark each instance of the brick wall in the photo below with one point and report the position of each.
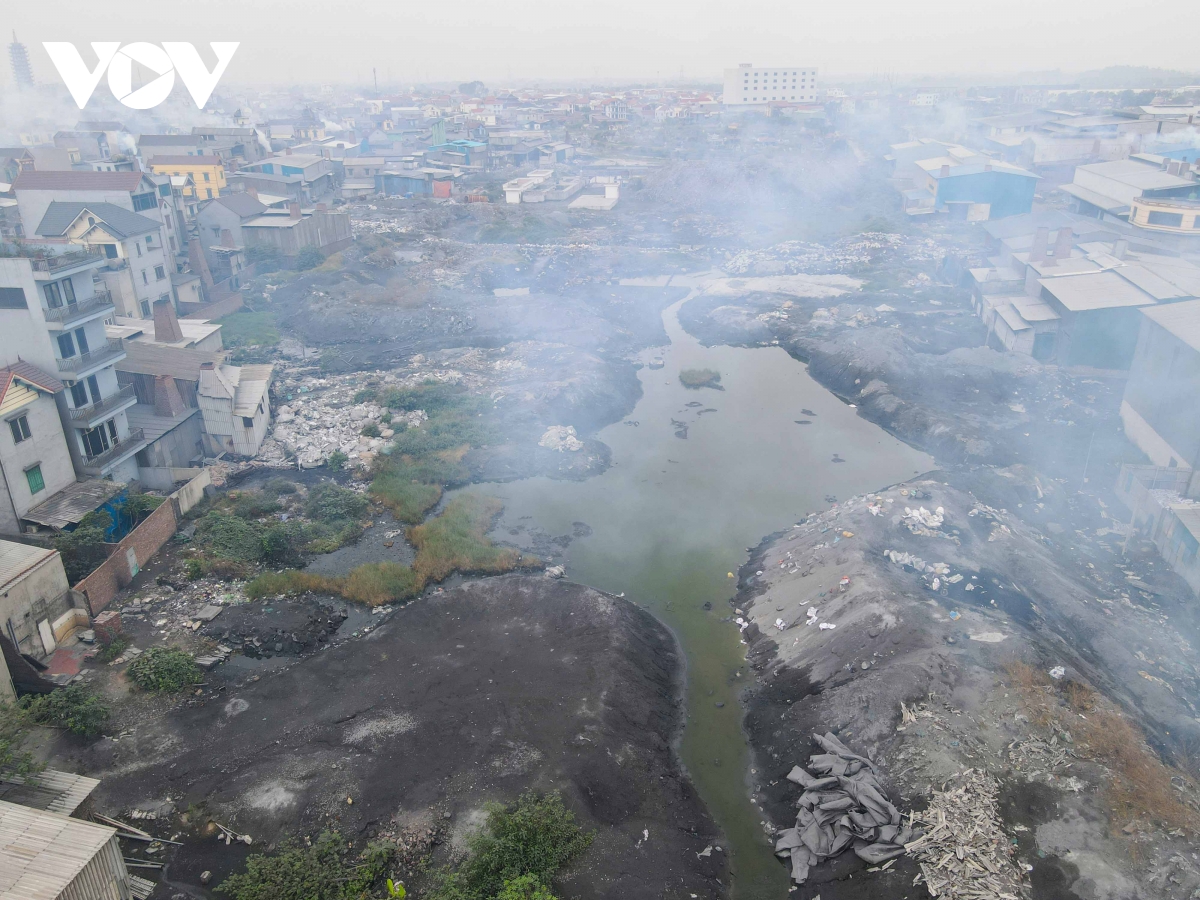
(114, 573)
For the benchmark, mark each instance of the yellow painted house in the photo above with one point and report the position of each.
(208, 174)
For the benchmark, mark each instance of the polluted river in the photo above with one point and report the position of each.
(699, 476)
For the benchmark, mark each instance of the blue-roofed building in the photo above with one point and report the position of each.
(978, 187)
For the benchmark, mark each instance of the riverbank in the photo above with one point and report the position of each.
(472, 694)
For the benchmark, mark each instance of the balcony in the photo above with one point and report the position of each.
(128, 446)
(55, 265)
(87, 416)
(93, 359)
(101, 303)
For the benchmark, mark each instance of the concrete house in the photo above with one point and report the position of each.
(36, 190)
(36, 610)
(237, 407)
(228, 213)
(68, 337)
(35, 463)
(136, 263)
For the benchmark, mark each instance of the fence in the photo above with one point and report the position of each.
(126, 558)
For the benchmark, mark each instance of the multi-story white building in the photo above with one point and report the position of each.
(750, 85)
(59, 327)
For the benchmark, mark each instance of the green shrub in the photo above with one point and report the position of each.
(370, 430)
(324, 871)
(337, 461)
(365, 394)
(253, 504)
(517, 854)
(283, 544)
(74, 708)
(164, 669)
(193, 569)
(309, 258)
(386, 418)
(114, 648)
(278, 486)
(230, 537)
(291, 583)
(328, 502)
(83, 550)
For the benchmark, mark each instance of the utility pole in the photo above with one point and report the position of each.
(375, 75)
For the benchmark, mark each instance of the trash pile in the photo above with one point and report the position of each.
(560, 438)
(965, 851)
(842, 808)
(921, 521)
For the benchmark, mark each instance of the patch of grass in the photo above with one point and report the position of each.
(372, 584)
(230, 537)
(457, 541)
(382, 582)
(73, 708)
(330, 503)
(276, 487)
(408, 497)
(699, 378)
(249, 328)
(326, 870)
(164, 670)
(517, 854)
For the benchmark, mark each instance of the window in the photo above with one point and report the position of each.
(110, 251)
(95, 441)
(139, 249)
(36, 481)
(1173, 220)
(78, 394)
(53, 298)
(68, 291)
(20, 428)
(145, 277)
(94, 388)
(66, 346)
(149, 241)
(208, 193)
(145, 309)
(142, 202)
(247, 422)
(160, 273)
(206, 178)
(81, 340)
(13, 298)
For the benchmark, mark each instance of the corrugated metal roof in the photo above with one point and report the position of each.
(1100, 201)
(42, 852)
(1153, 284)
(251, 388)
(143, 416)
(1012, 318)
(18, 560)
(145, 358)
(1095, 290)
(121, 222)
(1034, 310)
(72, 503)
(242, 204)
(1180, 319)
(50, 790)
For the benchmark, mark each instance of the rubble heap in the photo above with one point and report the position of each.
(842, 807)
(560, 438)
(320, 415)
(964, 852)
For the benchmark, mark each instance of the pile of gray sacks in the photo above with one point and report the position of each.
(842, 807)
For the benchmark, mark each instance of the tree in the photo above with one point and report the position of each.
(309, 258)
(83, 549)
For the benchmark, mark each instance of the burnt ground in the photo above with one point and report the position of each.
(473, 694)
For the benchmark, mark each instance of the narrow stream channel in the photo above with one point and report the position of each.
(674, 515)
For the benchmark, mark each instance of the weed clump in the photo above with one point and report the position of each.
(457, 540)
(164, 670)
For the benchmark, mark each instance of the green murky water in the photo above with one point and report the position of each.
(672, 517)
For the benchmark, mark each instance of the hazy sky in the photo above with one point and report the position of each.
(496, 40)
